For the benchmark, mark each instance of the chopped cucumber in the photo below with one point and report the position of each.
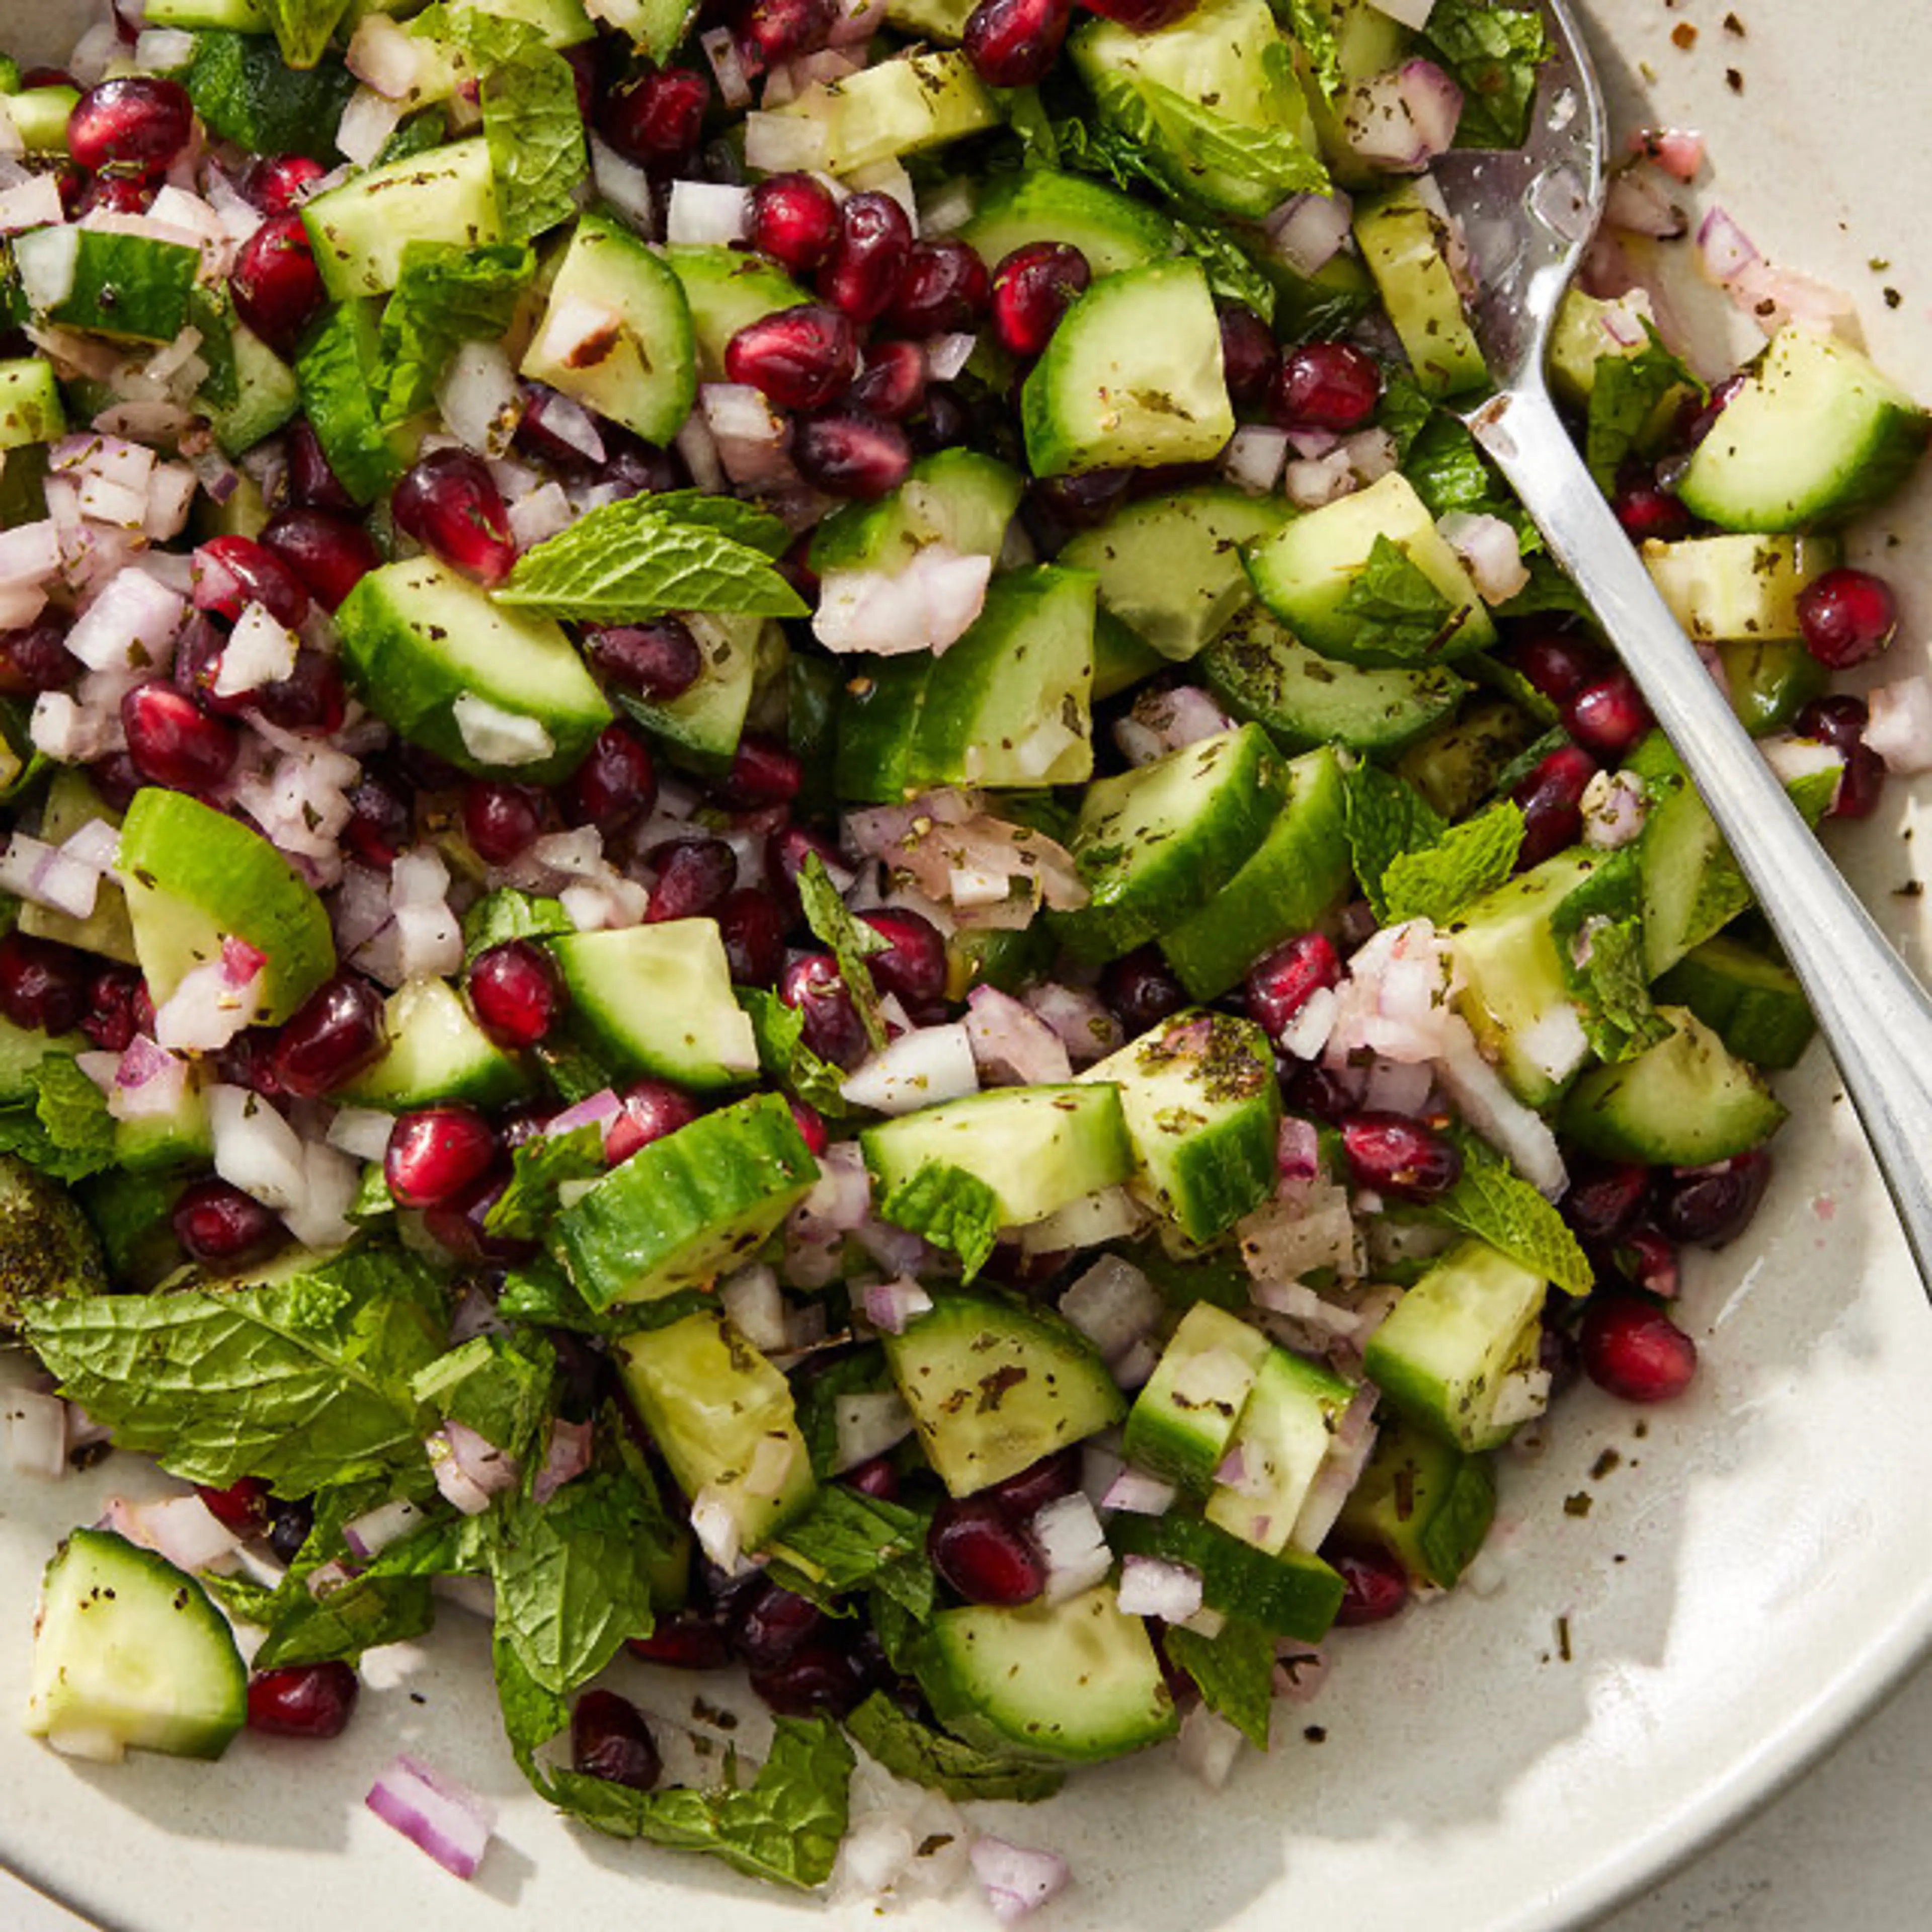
(726, 291)
(359, 230)
(132, 287)
(30, 403)
(1460, 763)
(72, 802)
(1405, 240)
(434, 1051)
(1185, 1417)
(1582, 338)
(901, 106)
(1770, 682)
(246, 93)
(1121, 659)
(48, 1250)
(1279, 1447)
(1292, 1594)
(1734, 587)
(40, 115)
(1755, 1005)
(1111, 229)
(1428, 1504)
(182, 1137)
(705, 723)
(958, 497)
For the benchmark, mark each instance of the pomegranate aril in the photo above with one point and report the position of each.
(609, 1739)
(1141, 989)
(1033, 288)
(308, 1700)
(312, 699)
(1646, 1257)
(1394, 1155)
(849, 453)
(658, 117)
(500, 819)
(892, 383)
(940, 423)
(516, 991)
(832, 1030)
(461, 1225)
(876, 1477)
(1606, 1199)
(1250, 357)
(118, 194)
(694, 875)
(1280, 983)
(44, 986)
(220, 1227)
(1608, 717)
(634, 468)
(794, 219)
(232, 572)
(289, 1523)
(684, 1643)
(777, 30)
(380, 823)
(1631, 1349)
(1551, 800)
(763, 772)
(138, 121)
(435, 1153)
(1649, 513)
(37, 659)
(651, 1109)
(767, 1624)
(337, 1032)
(1020, 1498)
(1079, 502)
(944, 289)
(752, 926)
(242, 1507)
(1860, 785)
(1375, 1585)
(1705, 1207)
(615, 783)
(249, 1061)
(276, 183)
(449, 502)
(983, 1555)
(197, 665)
(117, 1004)
(1698, 421)
(1846, 616)
(172, 742)
(659, 660)
(913, 964)
(1013, 43)
(1331, 385)
(800, 357)
(329, 553)
(276, 285)
(1840, 721)
(816, 1678)
(1560, 664)
(861, 273)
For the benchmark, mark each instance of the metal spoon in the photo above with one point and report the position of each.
(1544, 201)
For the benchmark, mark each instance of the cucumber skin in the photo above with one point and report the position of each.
(1293, 1595)
(1430, 1506)
(1753, 1004)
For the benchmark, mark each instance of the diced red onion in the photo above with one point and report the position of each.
(30, 553)
(1068, 1534)
(868, 1423)
(319, 1218)
(1350, 1447)
(1300, 1671)
(133, 621)
(1151, 1587)
(1015, 1879)
(1079, 1015)
(750, 435)
(1489, 547)
(366, 123)
(1113, 1304)
(1297, 1150)
(890, 1305)
(707, 212)
(1307, 1227)
(946, 355)
(36, 1434)
(567, 1457)
(625, 186)
(48, 876)
(1772, 296)
(370, 1535)
(1615, 805)
(383, 57)
(1401, 120)
(1793, 758)
(599, 1110)
(479, 397)
(858, 21)
(1639, 201)
(447, 1819)
(775, 143)
(1678, 151)
(468, 1467)
(182, 1528)
(1899, 729)
(493, 735)
(921, 1067)
(720, 50)
(929, 605)
(148, 1083)
(1134, 1493)
(750, 1298)
(206, 1010)
(1008, 1038)
(259, 651)
(1724, 248)
(1307, 231)
(1253, 459)
(1313, 485)
(1516, 1131)
(1107, 1214)
(34, 203)
(1208, 1746)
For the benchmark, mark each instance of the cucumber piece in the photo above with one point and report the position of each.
(22, 1050)
(944, 21)
(658, 999)
(1327, 303)
(1365, 42)
(1753, 1004)
(902, 106)
(336, 374)
(1111, 229)
(434, 1051)
(563, 23)
(129, 1653)
(1685, 1102)
(417, 641)
(1306, 573)
(1724, 588)
(30, 403)
(725, 291)
(245, 92)
(1260, 671)
(359, 230)
(1299, 875)
(72, 802)
(1292, 1594)
(688, 1208)
(1457, 1355)
(1203, 1109)
(959, 497)
(1461, 763)
(1184, 1418)
(1154, 844)
(1429, 1505)
(1581, 339)
(249, 391)
(1281, 1443)
(995, 1383)
(40, 115)
(1770, 682)
(656, 27)
(639, 365)
(1038, 1148)
(1133, 377)
(235, 16)
(1069, 1683)
(1170, 567)
(1121, 659)
(155, 1142)
(706, 722)
(131, 287)
(723, 1419)
(1404, 239)
(193, 876)
(48, 1250)
(1817, 434)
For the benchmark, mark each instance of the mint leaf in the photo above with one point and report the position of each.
(862, 1372)
(1492, 1202)
(1547, 590)
(575, 1073)
(304, 1381)
(850, 941)
(1232, 274)
(302, 27)
(445, 296)
(1435, 882)
(1210, 142)
(416, 135)
(1450, 473)
(921, 1755)
(374, 1200)
(361, 1615)
(64, 1128)
(626, 561)
(1400, 615)
(246, 92)
(1312, 25)
(950, 1208)
(1404, 412)
(1235, 1673)
(535, 133)
(531, 1715)
(844, 1539)
(1492, 51)
(498, 1385)
(487, 38)
(784, 1057)
(539, 1167)
(1599, 936)
(507, 914)
(1383, 816)
(742, 522)
(1625, 401)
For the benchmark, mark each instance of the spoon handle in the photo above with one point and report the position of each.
(1875, 1015)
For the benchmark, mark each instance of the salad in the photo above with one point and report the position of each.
(802, 871)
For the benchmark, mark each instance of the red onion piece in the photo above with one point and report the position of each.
(1068, 1534)
(1401, 120)
(1150, 1587)
(1136, 1493)
(1723, 247)
(37, 1426)
(720, 50)
(890, 1305)
(368, 1535)
(1016, 1880)
(1253, 459)
(1899, 729)
(1010, 1039)
(1307, 231)
(929, 605)
(566, 1459)
(920, 1068)
(450, 1821)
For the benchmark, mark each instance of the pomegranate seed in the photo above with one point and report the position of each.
(1079, 502)
(1375, 1585)
(1705, 1207)
(37, 659)
(615, 783)
(435, 1153)
(634, 468)
(461, 1226)
(220, 1227)
(1846, 616)
(47, 76)
(763, 772)
(1020, 1498)
(944, 289)
(1839, 721)
(380, 822)
(684, 1643)
(337, 1032)
(609, 1739)
(114, 1005)
(289, 1523)
(780, 30)
(892, 383)
(232, 572)
(1634, 1351)
(941, 424)
(1606, 1199)
(1331, 385)
(198, 665)
(1861, 785)
(276, 285)
(449, 502)
(243, 1506)
(1650, 513)
(913, 965)
(249, 1061)
(851, 454)
(876, 1477)
(862, 271)
(312, 699)
(516, 991)
(983, 1555)
(1393, 1154)
(114, 777)
(500, 819)
(1250, 356)
(767, 1624)
(659, 660)
(44, 986)
(800, 357)
(818, 1678)
(118, 194)
(1012, 42)
(651, 1109)
(694, 875)
(1647, 1259)
(794, 219)
(310, 1700)
(172, 742)
(136, 122)
(752, 926)
(1033, 288)
(1141, 990)
(791, 846)
(812, 985)
(658, 117)
(328, 554)
(1698, 422)
(1551, 801)
(1560, 664)
(1608, 717)
(276, 183)
(1280, 983)
(312, 484)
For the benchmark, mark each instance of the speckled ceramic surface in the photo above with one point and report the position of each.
(1696, 1623)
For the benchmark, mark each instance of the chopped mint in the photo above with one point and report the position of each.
(373, 1200)
(1404, 412)
(506, 914)
(1383, 816)
(534, 133)
(729, 516)
(1399, 612)
(62, 1126)
(486, 37)
(574, 1072)
(1450, 473)
(1548, 590)
(845, 1539)
(364, 1613)
(1313, 27)
(1492, 1202)
(1435, 882)
(1492, 51)
(1234, 1671)
(1232, 273)
(862, 1372)
(445, 296)
(850, 941)
(302, 28)
(539, 1167)
(1599, 936)
(246, 92)
(1624, 399)
(917, 1753)
(949, 1207)
(499, 1385)
(414, 136)
(784, 1057)
(531, 1715)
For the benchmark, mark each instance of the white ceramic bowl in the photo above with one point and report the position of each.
(1755, 1572)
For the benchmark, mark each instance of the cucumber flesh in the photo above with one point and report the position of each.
(1185, 1417)
(1291, 1595)
(358, 231)
(1755, 1005)
(1429, 1505)
(1405, 240)
(1280, 1444)
(1111, 229)
(1721, 588)
(434, 1051)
